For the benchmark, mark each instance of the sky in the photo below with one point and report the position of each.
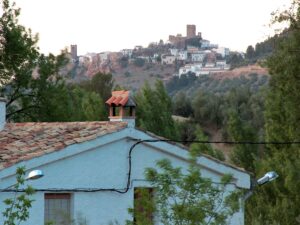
(112, 25)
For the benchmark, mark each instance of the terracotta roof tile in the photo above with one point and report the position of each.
(118, 98)
(24, 141)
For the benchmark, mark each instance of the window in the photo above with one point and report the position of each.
(143, 206)
(57, 208)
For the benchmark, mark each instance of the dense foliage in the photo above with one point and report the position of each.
(214, 100)
(32, 83)
(278, 203)
(154, 112)
(185, 198)
(17, 207)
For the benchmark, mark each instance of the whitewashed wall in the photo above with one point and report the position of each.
(103, 163)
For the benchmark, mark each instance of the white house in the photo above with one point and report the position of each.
(127, 52)
(195, 68)
(182, 55)
(174, 51)
(91, 169)
(206, 44)
(222, 65)
(168, 59)
(198, 56)
(104, 56)
(222, 51)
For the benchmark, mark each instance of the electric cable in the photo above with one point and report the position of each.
(132, 147)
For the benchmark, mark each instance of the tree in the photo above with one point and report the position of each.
(32, 84)
(244, 155)
(19, 61)
(139, 62)
(235, 59)
(279, 203)
(205, 148)
(19, 51)
(18, 57)
(185, 198)
(29, 98)
(250, 52)
(101, 84)
(123, 61)
(182, 105)
(155, 111)
(17, 209)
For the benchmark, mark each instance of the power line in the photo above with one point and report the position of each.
(222, 142)
(140, 141)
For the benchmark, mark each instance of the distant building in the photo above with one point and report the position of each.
(127, 52)
(179, 54)
(190, 31)
(197, 56)
(222, 65)
(84, 60)
(179, 41)
(174, 51)
(205, 44)
(222, 51)
(210, 65)
(74, 52)
(104, 56)
(190, 68)
(168, 59)
(182, 55)
(138, 47)
(192, 49)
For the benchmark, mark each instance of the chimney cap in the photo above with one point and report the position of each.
(121, 98)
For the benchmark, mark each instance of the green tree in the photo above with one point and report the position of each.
(17, 208)
(18, 57)
(139, 62)
(32, 84)
(235, 59)
(19, 51)
(244, 155)
(88, 106)
(186, 198)
(279, 203)
(35, 96)
(154, 112)
(205, 148)
(101, 84)
(250, 52)
(182, 105)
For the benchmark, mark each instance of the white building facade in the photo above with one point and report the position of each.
(92, 169)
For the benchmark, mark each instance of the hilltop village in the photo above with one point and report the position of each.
(185, 54)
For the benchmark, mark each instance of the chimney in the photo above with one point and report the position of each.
(2, 113)
(122, 107)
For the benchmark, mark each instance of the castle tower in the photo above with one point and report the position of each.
(122, 107)
(190, 31)
(74, 52)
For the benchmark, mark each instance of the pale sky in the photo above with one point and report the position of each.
(112, 25)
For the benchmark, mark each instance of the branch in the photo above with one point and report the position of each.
(21, 111)
(19, 96)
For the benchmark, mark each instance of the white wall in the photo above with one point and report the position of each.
(2, 113)
(105, 166)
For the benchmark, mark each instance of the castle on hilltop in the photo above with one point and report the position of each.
(180, 41)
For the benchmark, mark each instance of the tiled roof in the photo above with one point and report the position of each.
(24, 141)
(118, 98)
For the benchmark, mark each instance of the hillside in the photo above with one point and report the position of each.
(245, 70)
